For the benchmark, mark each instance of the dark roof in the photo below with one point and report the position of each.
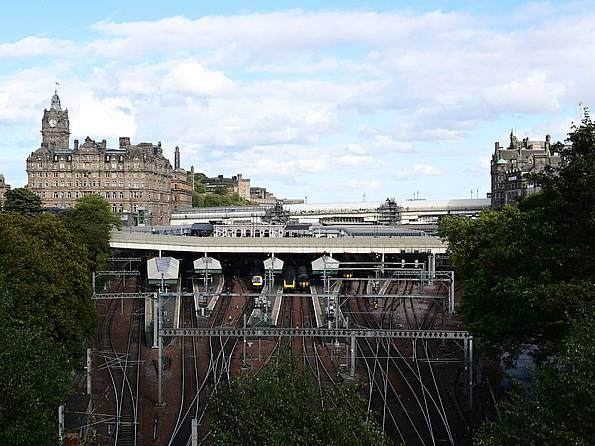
(201, 227)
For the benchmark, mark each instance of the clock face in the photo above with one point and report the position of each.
(52, 122)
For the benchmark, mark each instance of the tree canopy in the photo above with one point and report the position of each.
(560, 410)
(529, 270)
(35, 372)
(91, 220)
(22, 201)
(221, 196)
(282, 405)
(529, 282)
(44, 267)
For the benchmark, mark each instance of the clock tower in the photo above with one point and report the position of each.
(55, 127)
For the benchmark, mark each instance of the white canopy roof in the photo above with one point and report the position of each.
(169, 266)
(325, 263)
(207, 263)
(275, 263)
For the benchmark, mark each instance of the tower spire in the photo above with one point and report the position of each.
(56, 102)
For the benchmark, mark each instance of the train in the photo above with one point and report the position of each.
(303, 278)
(257, 275)
(289, 277)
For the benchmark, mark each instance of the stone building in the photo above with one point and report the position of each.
(3, 189)
(511, 166)
(136, 179)
(236, 184)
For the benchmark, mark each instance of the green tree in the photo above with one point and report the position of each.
(282, 406)
(529, 270)
(91, 220)
(35, 373)
(560, 410)
(22, 201)
(46, 268)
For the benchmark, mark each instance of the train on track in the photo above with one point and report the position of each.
(257, 275)
(303, 278)
(289, 277)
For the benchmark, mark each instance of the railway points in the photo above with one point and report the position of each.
(383, 325)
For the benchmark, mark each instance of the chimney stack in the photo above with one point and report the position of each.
(177, 158)
(124, 141)
(76, 144)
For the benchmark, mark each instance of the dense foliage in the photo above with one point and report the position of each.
(529, 270)
(35, 372)
(561, 408)
(529, 276)
(46, 312)
(282, 405)
(22, 201)
(91, 220)
(219, 197)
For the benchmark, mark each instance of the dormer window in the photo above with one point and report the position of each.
(121, 159)
(107, 158)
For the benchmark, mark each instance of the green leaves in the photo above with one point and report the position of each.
(90, 221)
(46, 313)
(283, 406)
(35, 373)
(22, 201)
(529, 281)
(561, 407)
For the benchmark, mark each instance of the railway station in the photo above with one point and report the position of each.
(383, 316)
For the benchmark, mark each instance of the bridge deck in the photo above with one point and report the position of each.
(304, 245)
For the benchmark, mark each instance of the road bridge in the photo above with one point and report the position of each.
(298, 245)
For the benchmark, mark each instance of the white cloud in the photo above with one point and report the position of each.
(358, 161)
(289, 94)
(365, 185)
(532, 94)
(387, 143)
(425, 169)
(32, 46)
(418, 170)
(193, 79)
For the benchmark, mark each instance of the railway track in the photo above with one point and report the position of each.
(123, 370)
(403, 386)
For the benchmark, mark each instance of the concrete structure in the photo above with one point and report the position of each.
(3, 189)
(510, 168)
(137, 180)
(334, 213)
(423, 212)
(188, 216)
(346, 245)
(388, 212)
(246, 229)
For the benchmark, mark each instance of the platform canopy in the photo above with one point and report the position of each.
(325, 263)
(209, 264)
(274, 263)
(166, 266)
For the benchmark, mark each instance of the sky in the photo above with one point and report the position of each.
(333, 101)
